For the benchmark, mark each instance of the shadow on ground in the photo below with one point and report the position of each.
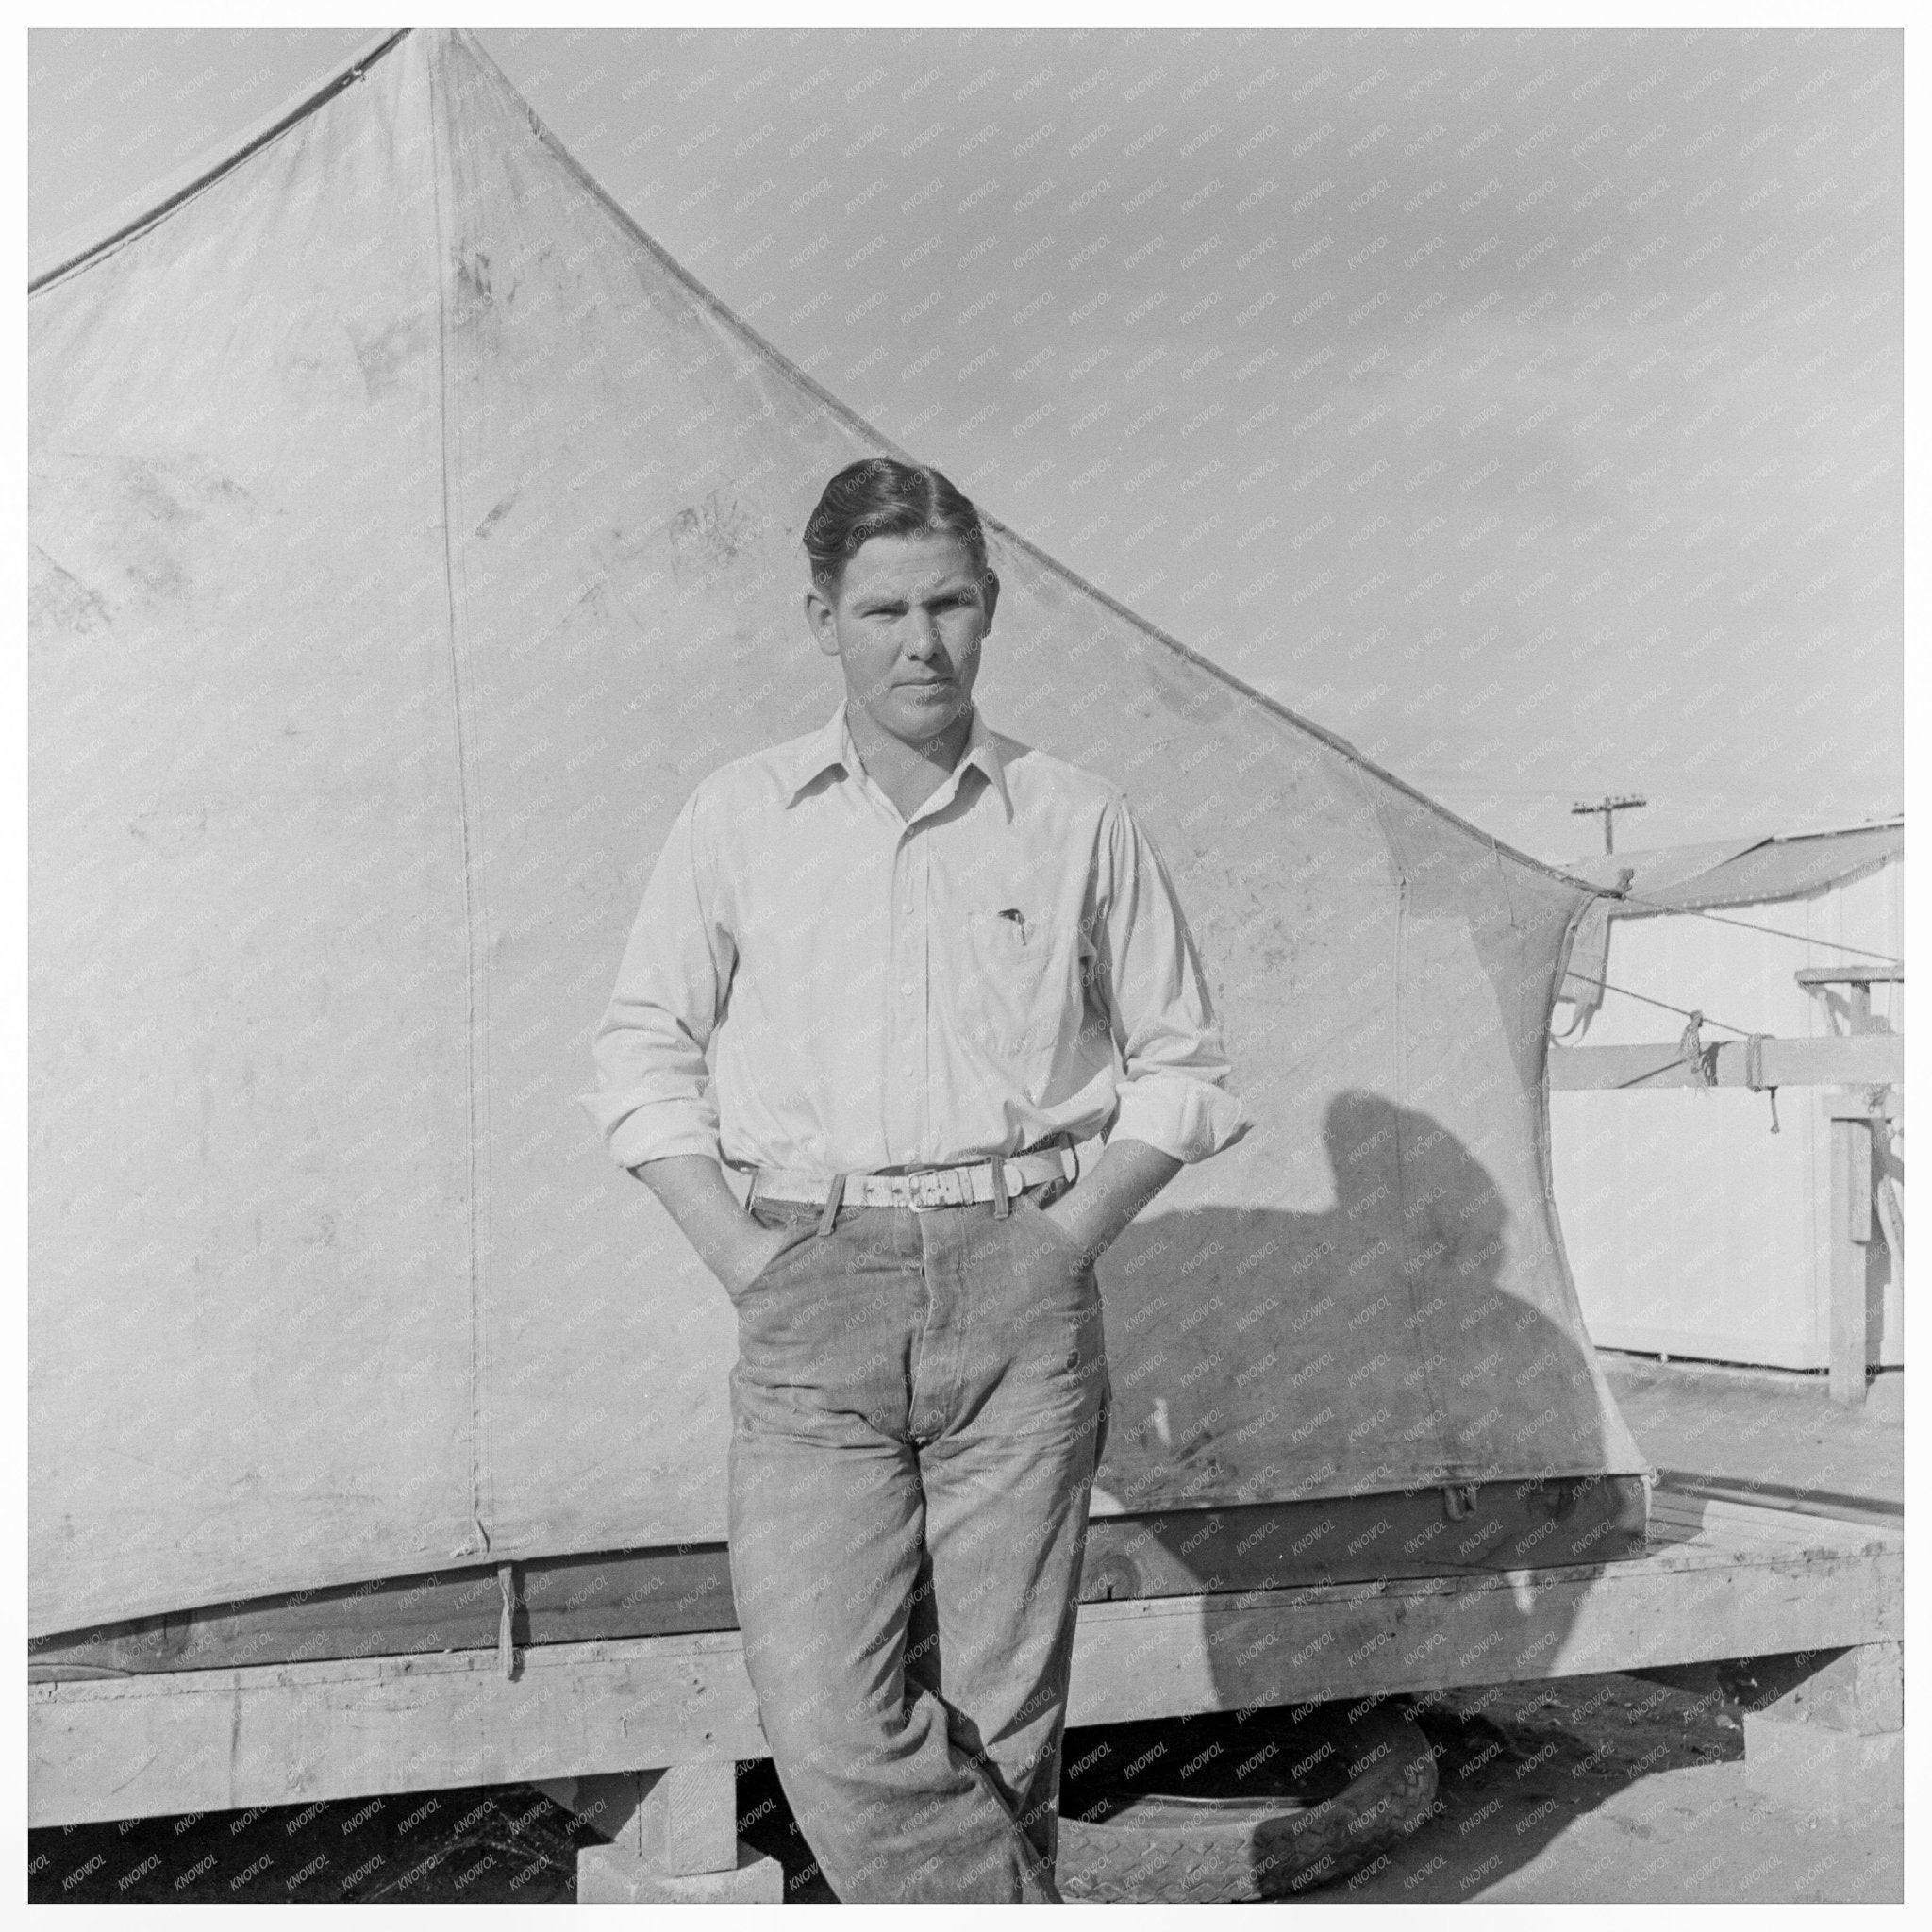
(1518, 1766)
(487, 1845)
(1621, 1789)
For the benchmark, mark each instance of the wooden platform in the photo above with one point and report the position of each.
(1719, 1579)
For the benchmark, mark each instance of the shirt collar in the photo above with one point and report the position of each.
(831, 744)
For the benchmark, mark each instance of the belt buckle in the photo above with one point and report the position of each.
(933, 1187)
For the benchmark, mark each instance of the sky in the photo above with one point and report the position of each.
(1523, 407)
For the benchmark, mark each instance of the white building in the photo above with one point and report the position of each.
(1694, 1230)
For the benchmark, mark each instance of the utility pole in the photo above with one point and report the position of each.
(1608, 807)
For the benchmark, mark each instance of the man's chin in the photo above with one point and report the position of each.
(917, 719)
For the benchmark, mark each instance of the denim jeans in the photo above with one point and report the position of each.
(918, 1405)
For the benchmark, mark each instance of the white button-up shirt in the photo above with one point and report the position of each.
(816, 981)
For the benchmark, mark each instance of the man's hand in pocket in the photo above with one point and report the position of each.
(733, 1245)
(754, 1248)
(1105, 1200)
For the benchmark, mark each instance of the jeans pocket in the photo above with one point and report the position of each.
(1068, 1245)
(804, 1227)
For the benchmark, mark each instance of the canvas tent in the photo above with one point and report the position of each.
(409, 535)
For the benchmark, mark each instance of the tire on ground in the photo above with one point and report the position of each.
(1152, 1847)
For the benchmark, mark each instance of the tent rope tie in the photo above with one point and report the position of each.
(1887, 1198)
(1754, 1073)
(1458, 1500)
(1692, 1053)
(505, 1639)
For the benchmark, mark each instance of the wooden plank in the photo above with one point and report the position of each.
(277, 1735)
(559, 1599)
(1851, 975)
(223, 1740)
(1740, 1525)
(1830, 1505)
(1154, 1658)
(1676, 1534)
(1864, 1059)
(1365, 1539)
(1742, 1536)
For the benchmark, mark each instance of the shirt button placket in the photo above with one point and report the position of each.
(916, 1001)
(905, 1109)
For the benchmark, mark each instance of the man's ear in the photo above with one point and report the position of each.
(822, 620)
(990, 593)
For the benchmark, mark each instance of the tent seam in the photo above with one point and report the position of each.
(478, 1409)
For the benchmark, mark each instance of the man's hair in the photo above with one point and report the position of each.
(880, 497)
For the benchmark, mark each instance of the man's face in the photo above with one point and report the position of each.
(906, 624)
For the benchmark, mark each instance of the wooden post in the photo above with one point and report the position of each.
(1834, 1746)
(1851, 1234)
(688, 1818)
(673, 1838)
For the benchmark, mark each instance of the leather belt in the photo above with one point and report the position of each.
(925, 1189)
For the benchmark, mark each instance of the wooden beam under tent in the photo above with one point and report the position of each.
(1718, 1580)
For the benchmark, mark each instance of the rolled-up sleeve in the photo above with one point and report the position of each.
(1172, 1086)
(652, 1094)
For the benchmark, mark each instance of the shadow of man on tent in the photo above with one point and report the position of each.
(1349, 1400)
(1259, 1356)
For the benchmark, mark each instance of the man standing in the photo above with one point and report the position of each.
(929, 959)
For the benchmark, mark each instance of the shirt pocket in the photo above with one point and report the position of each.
(1009, 987)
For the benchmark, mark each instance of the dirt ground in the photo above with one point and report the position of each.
(1618, 1789)
(1611, 1787)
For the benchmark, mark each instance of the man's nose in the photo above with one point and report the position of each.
(922, 635)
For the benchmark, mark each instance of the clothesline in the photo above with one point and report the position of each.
(1683, 1012)
(1772, 931)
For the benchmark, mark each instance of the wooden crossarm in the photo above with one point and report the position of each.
(1860, 1060)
